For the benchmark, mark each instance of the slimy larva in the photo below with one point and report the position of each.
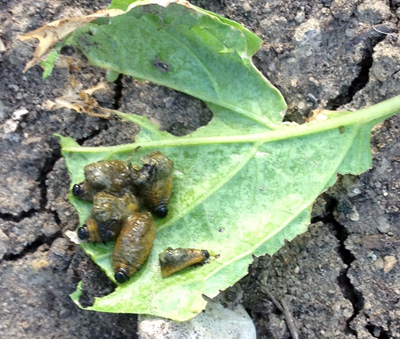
(133, 245)
(155, 182)
(175, 260)
(111, 176)
(108, 214)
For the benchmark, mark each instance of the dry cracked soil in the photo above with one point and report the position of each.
(341, 279)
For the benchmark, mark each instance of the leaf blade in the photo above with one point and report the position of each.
(192, 44)
(261, 196)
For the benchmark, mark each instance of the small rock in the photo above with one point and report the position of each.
(354, 191)
(354, 215)
(383, 225)
(13, 87)
(4, 241)
(308, 32)
(9, 126)
(60, 254)
(215, 322)
(50, 228)
(18, 114)
(347, 313)
(247, 7)
(2, 47)
(169, 102)
(389, 262)
(373, 256)
(299, 17)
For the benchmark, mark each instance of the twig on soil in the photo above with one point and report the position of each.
(283, 307)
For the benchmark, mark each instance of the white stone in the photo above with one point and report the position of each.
(2, 47)
(18, 114)
(215, 322)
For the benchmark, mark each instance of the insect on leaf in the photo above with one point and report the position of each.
(243, 184)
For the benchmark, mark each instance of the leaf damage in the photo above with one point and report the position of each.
(81, 101)
(50, 34)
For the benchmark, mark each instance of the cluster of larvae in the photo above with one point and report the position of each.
(113, 187)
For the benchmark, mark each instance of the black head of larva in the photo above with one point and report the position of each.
(161, 211)
(121, 275)
(83, 233)
(78, 190)
(205, 254)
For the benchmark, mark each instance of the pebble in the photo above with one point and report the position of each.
(354, 215)
(300, 16)
(59, 255)
(4, 243)
(247, 7)
(389, 263)
(215, 322)
(2, 47)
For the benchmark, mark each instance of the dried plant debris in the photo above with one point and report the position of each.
(81, 101)
(49, 35)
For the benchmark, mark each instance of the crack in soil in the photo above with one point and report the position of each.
(360, 81)
(118, 93)
(41, 239)
(32, 247)
(348, 289)
(47, 168)
(21, 216)
(92, 135)
(377, 331)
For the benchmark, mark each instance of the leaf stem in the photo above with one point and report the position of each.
(372, 114)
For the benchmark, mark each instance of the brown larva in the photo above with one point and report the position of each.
(174, 260)
(111, 176)
(108, 213)
(155, 182)
(133, 245)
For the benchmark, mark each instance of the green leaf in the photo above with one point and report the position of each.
(77, 294)
(48, 64)
(112, 76)
(121, 4)
(187, 49)
(237, 193)
(243, 184)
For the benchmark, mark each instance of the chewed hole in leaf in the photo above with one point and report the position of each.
(175, 112)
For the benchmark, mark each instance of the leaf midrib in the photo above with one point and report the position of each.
(379, 111)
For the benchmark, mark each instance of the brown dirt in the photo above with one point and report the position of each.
(337, 278)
